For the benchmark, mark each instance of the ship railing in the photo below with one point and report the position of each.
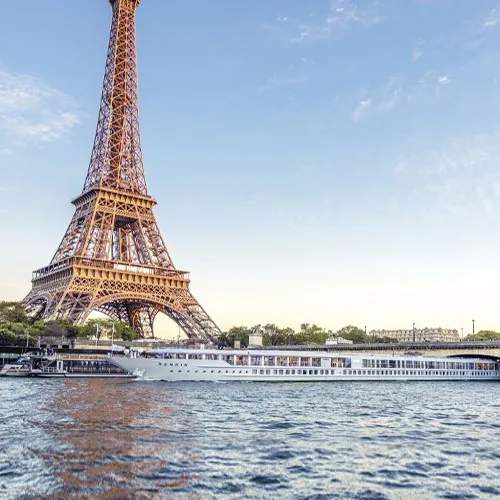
(80, 357)
(51, 369)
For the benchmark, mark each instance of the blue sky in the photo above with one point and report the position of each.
(328, 162)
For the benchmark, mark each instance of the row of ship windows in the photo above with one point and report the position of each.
(418, 372)
(345, 372)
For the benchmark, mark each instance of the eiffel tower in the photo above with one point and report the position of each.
(113, 258)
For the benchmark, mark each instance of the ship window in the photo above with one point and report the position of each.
(261, 372)
(268, 372)
(280, 372)
(293, 372)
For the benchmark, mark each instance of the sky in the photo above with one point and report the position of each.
(331, 161)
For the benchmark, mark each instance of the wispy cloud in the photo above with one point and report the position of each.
(443, 80)
(274, 83)
(382, 99)
(461, 175)
(361, 109)
(398, 91)
(346, 13)
(418, 50)
(341, 16)
(493, 18)
(32, 111)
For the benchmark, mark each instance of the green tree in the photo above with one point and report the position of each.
(310, 334)
(483, 335)
(123, 331)
(240, 333)
(354, 333)
(13, 312)
(8, 338)
(273, 335)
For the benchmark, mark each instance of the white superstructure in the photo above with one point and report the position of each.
(300, 366)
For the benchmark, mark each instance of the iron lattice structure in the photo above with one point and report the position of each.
(113, 258)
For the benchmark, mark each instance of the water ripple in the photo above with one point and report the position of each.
(129, 439)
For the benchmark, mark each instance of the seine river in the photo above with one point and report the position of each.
(350, 440)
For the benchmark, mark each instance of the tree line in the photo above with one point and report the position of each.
(273, 335)
(17, 329)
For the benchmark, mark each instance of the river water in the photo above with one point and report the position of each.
(349, 440)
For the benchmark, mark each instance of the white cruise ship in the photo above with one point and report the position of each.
(299, 366)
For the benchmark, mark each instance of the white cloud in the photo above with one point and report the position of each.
(361, 109)
(443, 80)
(461, 175)
(493, 18)
(32, 111)
(382, 99)
(345, 13)
(341, 16)
(418, 50)
(399, 91)
(278, 82)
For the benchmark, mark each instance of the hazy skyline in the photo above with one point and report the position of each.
(329, 162)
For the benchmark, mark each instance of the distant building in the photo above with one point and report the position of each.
(255, 339)
(421, 335)
(334, 340)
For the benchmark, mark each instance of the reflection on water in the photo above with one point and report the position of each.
(126, 439)
(106, 439)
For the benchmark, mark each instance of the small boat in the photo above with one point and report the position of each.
(176, 364)
(34, 365)
(81, 368)
(20, 368)
(53, 372)
(15, 370)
